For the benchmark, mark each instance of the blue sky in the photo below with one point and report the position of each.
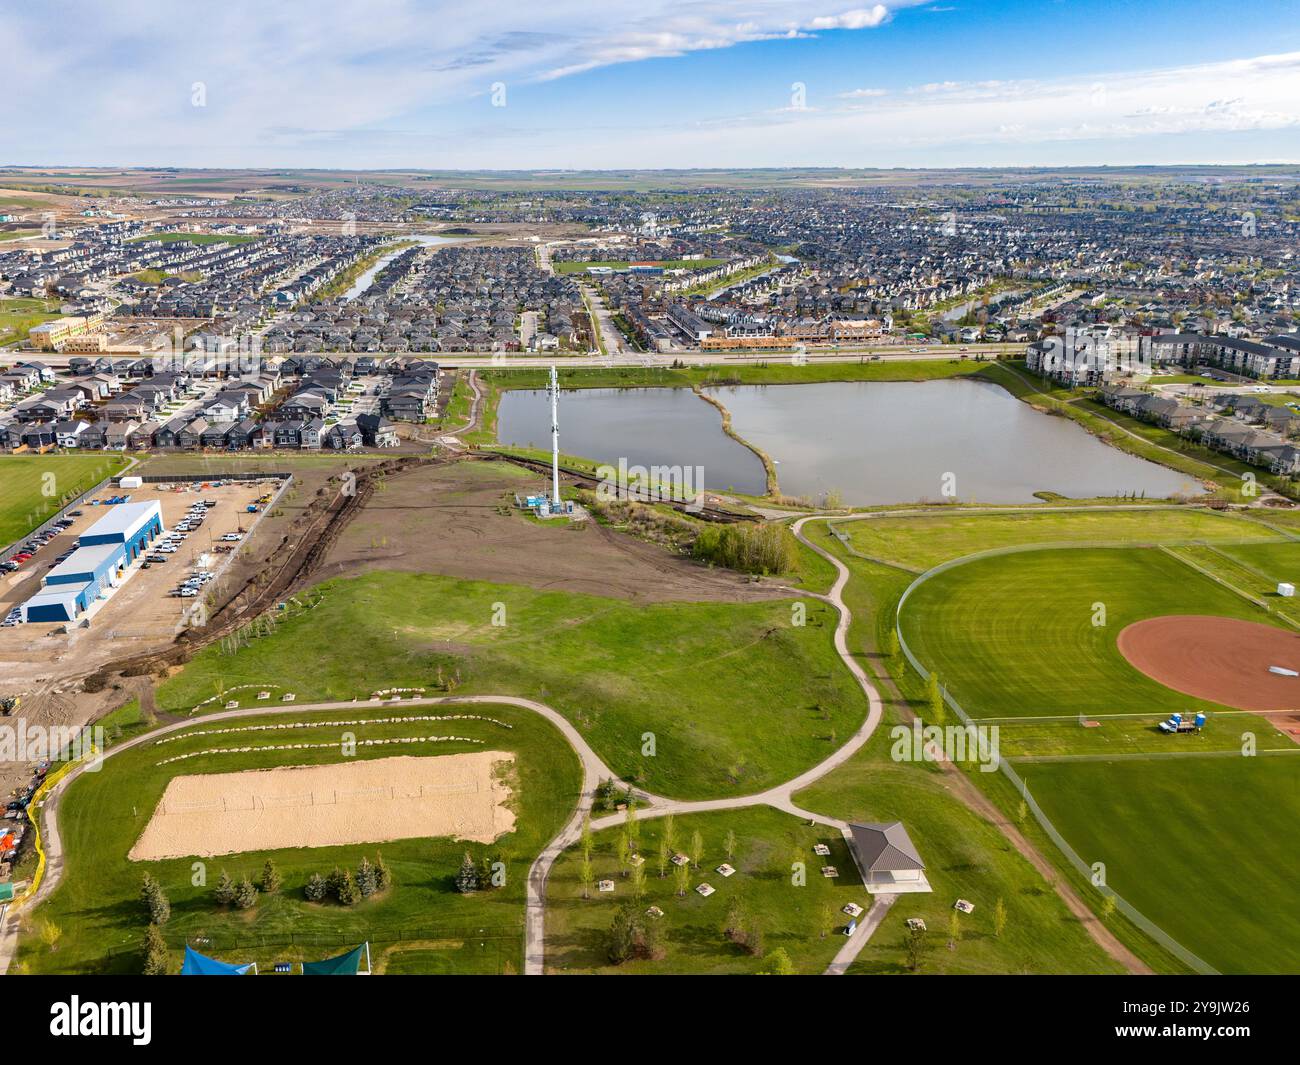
(652, 83)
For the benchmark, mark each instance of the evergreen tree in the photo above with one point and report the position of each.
(155, 900)
(467, 878)
(224, 892)
(246, 894)
(349, 895)
(316, 888)
(365, 878)
(155, 952)
(271, 879)
(383, 875)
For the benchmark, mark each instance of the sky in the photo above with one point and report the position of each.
(648, 84)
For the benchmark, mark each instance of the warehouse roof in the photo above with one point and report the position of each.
(83, 561)
(124, 518)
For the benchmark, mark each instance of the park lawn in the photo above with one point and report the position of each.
(1013, 635)
(966, 857)
(1204, 847)
(922, 541)
(475, 955)
(736, 696)
(101, 814)
(24, 503)
(768, 843)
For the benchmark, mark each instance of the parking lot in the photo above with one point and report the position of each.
(204, 526)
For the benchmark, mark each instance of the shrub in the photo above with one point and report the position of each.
(246, 894)
(746, 548)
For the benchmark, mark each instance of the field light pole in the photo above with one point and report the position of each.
(554, 389)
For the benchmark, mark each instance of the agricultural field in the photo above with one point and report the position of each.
(711, 681)
(419, 924)
(24, 502)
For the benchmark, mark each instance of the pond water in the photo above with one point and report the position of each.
(869, 442)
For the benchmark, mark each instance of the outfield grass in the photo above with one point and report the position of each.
(24, 502)
(1013, 635)
(922, 541)
(768, 843)
(96, 904)
(1203, 847)
(736, 697)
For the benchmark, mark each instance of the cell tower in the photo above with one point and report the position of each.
(554, 390)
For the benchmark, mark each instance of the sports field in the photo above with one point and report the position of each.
(96, 904)
(1206, 847)
(1198, 838)
(31, 486)
(1014, 635)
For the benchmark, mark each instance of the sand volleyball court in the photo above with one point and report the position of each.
(371, 801)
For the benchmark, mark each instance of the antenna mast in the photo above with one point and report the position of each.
(554, 389)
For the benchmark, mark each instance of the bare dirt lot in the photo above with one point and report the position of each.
(456, 520)
(456, 795)
(1221, 659)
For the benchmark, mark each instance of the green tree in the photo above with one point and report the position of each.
(934, 704)
(665, 853)
(155, 900)
(624, 853)
(917, 944)
(623, 934)
(682, 877)
(271, 880)
(778, 964)
(383, 875)
(586, 875)
(729, 844)
(155, 952)
(467, 878)
(246, 894)
(697, 848)
(224, 892)
(365, 878)
(584, 838)
(349, 893)
(638, 881)
(316, 889)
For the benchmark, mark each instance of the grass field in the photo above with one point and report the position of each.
(736, 697)
(18, 316)
(96, 904)
(922, 541)
(965, 857)
(24, 502)
(1013, 635)
(1203, 846)
(768, 843)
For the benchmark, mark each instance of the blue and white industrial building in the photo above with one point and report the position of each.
(103, 556)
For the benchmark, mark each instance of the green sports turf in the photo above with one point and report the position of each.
(1206, 848)
(25, 499)
(926, 540)
(1013, 635)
